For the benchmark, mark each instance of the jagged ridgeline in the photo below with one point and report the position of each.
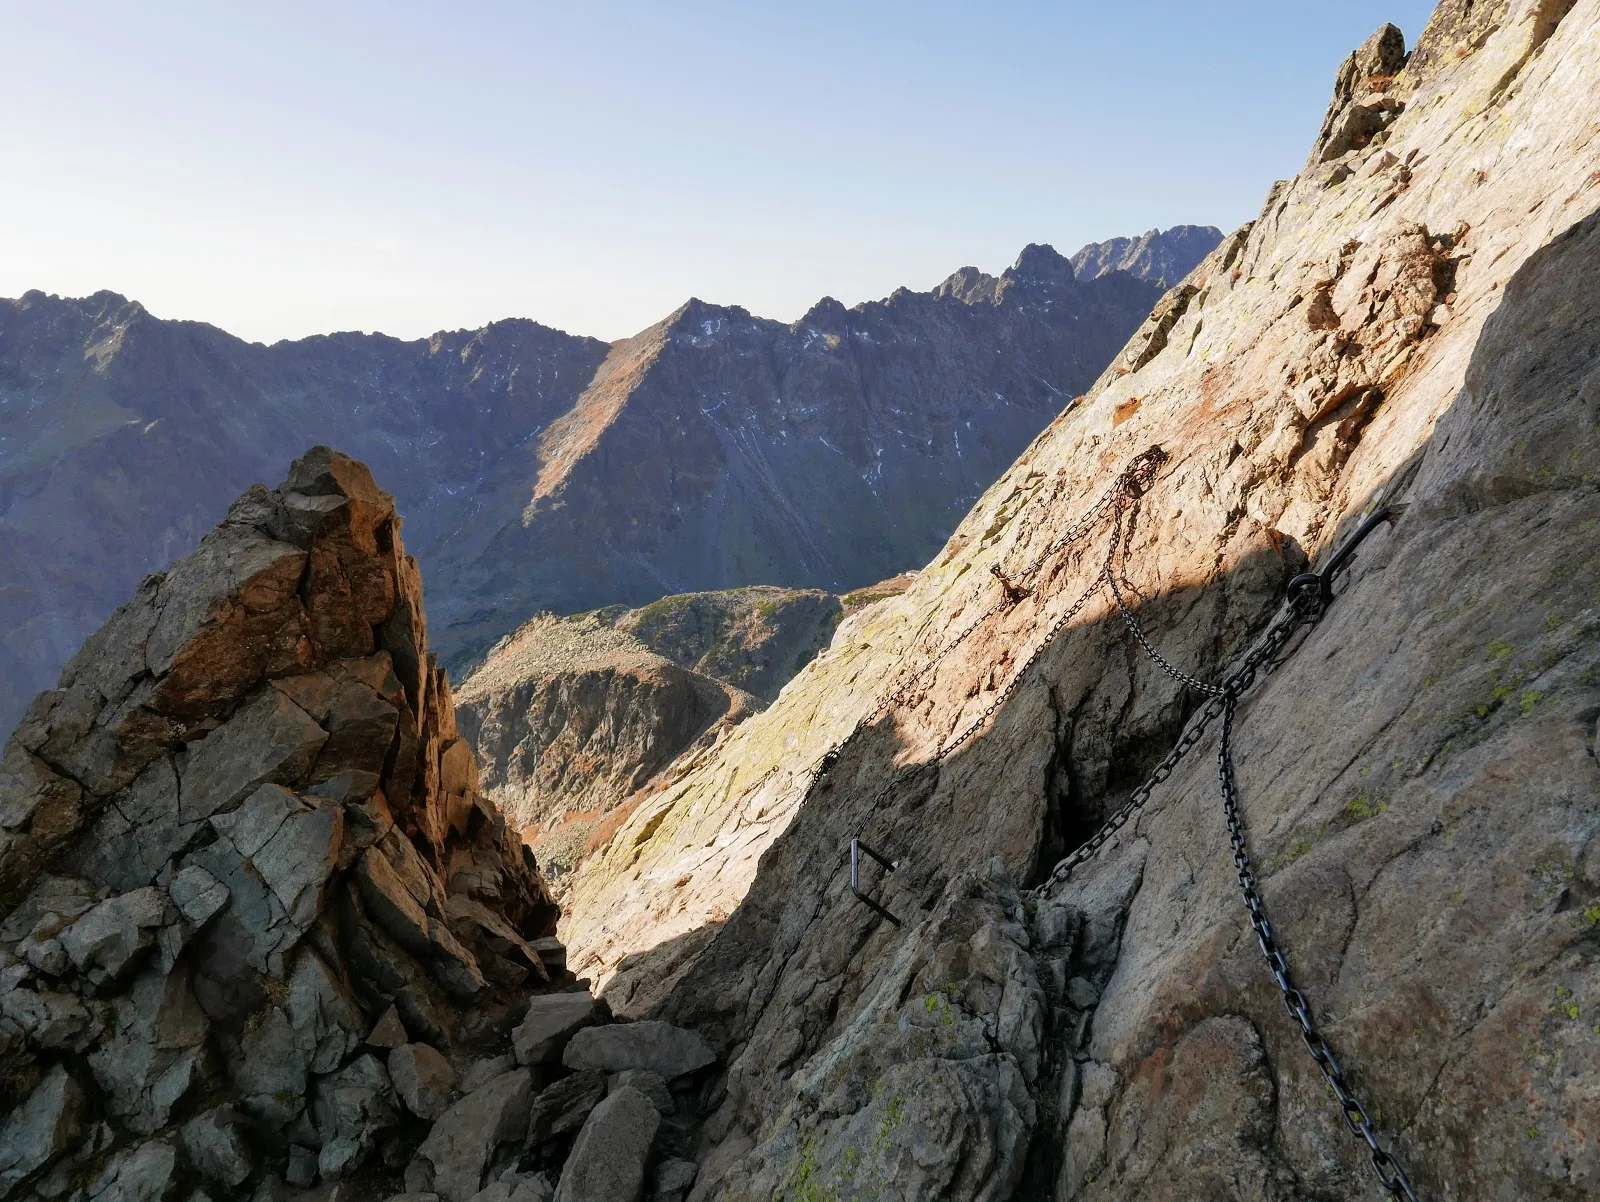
(1412, 321)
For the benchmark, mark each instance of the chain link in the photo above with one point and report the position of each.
(1133, 482)
(1392, 1176)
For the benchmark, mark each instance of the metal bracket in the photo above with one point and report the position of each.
(1014, 592)
(856, 848)
(1322, 581)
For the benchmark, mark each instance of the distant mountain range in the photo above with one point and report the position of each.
(1164, 256)
(537, 470)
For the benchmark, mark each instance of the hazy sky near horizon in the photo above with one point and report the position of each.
(296, 168)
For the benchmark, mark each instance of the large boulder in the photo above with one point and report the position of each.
(218, 1146)
(108, 942)
(423, 1079)
(608, 1159)
(462, 1142)
(42, 1128)
(648, 1044)
(550, 1022)
(563, 1107)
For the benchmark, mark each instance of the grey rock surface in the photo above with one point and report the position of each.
(562, 1107)
(216, 1143)
(649, 1044)
(423, 1079)
(609, 1157)
(108, 942)
(549, 1023)
(43, 1127)
(146, 1173)
(651, 1084)
(481, 1072)
(464, 1139)
(188, 995)
(517, 1187)
(671, 1179)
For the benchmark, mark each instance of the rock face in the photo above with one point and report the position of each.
(1162, 256)
(571, 716)
(243, 851)
(1414, 321)
(609, 1159)
(539, 471)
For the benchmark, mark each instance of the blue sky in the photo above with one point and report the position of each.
(296, 168)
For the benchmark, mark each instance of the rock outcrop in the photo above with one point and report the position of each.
(572, 716)
(1412, 321)
(1162, 256)
(256, 912)
(538, 471)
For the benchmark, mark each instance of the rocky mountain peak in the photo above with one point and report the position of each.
(1040, 265)
(260, 924)
(1163, 257)
(827, 313)
(967, 285)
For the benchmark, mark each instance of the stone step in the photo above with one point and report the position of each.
(552, 954)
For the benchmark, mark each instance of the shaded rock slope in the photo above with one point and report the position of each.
(1161, 256)
(261, 935)
(718, 449)
(537, 470)
(571, 716)
(1413, 320)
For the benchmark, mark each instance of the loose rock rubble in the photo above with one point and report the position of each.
(262, 936)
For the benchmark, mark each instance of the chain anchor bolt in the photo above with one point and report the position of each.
(1320, 584)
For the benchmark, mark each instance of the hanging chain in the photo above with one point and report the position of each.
(1390, 1173)
(1130, 485)
(1309, 595)
(1308, 598)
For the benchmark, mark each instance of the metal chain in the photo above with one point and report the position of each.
(1306, 606)
(1183, 678)
(1309, 595)
(1264, 651)
(1130, 484)
(1390, 1173)
(1124, 492)
(1308, 598)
